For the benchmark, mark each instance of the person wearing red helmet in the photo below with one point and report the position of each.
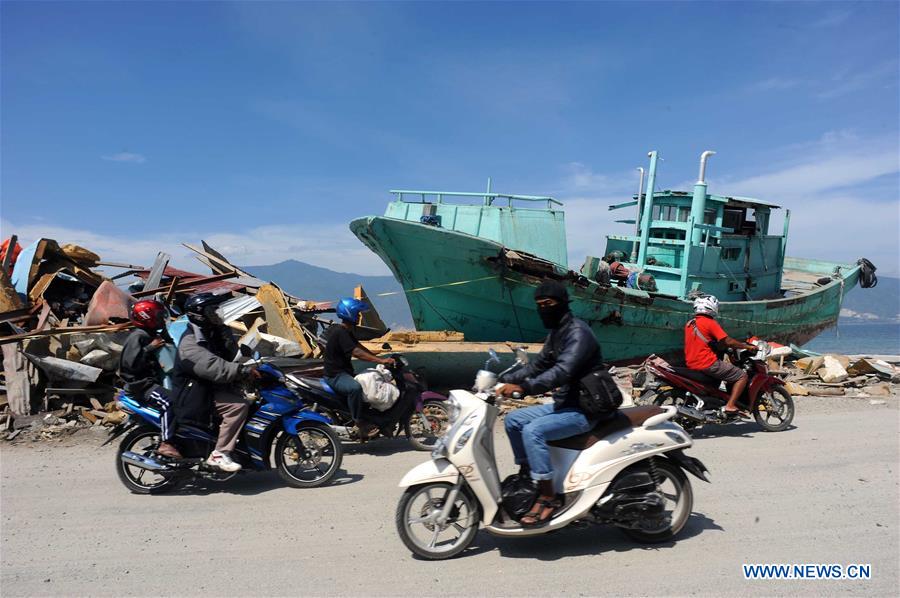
(140, 370)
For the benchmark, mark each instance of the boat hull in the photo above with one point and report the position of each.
(464, 283)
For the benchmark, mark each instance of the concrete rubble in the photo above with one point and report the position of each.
(64, 315)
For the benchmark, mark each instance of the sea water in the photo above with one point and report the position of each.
(851, 338)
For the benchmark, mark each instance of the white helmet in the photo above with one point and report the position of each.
(706, 305)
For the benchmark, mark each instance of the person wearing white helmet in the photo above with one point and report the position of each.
(704, 338)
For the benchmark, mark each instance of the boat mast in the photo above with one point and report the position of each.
(648, 209)
(637, 220)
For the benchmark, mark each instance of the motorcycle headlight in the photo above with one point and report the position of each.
(463, 439)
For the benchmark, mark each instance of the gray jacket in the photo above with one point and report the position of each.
(207, 358)
(569, 353)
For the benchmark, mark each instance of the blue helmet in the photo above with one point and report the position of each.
(348, 309)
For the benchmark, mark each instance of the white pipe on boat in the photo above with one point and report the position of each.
(701, 180)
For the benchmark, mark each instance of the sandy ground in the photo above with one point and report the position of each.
(825, 491)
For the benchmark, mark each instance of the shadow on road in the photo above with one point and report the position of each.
(568, 542)
(380, 447)
(252, 484)
(741, 430)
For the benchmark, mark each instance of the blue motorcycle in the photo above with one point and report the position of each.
(307, 452)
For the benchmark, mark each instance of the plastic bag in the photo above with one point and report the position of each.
(379, 390)
(518, 494)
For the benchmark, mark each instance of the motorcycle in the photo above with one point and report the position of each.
(628, 472)
(307, 451)
(700, 400)
(418, 413)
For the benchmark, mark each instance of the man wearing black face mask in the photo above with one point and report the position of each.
(569, 353)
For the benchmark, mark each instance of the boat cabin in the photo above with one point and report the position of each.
(529, 223)
(700, 242)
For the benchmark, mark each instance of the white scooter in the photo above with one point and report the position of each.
(627, 472)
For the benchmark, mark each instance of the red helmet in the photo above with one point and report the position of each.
(149, 314)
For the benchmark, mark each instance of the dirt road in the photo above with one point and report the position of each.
(823, 492)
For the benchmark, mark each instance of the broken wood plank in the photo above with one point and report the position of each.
(64, 331)
(157, 271)
(186, 285)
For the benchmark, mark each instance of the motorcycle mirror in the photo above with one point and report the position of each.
(246, 350)
(386, 346)
(522, 355)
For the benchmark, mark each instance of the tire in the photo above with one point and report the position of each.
(408, 510)
(681, 512)
(142, 440)
(423, 438)
(670, 397)
(312, 444)
(774, 410)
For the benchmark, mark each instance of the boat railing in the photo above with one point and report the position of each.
(488, 197)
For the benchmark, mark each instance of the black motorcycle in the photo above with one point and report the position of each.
(420, 414)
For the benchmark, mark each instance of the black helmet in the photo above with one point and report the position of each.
(197, 307)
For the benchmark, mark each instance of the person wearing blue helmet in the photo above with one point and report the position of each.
(341, 346)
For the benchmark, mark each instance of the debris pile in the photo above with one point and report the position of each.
(64, 315)
(840, 375)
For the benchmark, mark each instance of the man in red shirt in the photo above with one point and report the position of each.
(699, 334)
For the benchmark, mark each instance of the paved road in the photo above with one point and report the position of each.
(826, 491)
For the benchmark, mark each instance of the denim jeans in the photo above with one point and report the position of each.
(345, 385)
(530, 429)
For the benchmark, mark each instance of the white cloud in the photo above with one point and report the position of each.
(832, 18)
(842, 191)
(125, 157)
(328, 246)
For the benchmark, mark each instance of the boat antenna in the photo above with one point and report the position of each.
(637, 219)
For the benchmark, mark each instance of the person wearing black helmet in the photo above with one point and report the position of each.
(570, 352)
(204, 377)
(341, 346)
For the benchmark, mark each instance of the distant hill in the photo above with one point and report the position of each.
(321, 284)
(880, 304)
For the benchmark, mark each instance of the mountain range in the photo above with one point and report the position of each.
(879, 304)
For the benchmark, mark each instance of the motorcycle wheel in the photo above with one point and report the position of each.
(774, 410)
(309, 459)
(429, 539)
(143, 441)
(425, 427)
(679, 495)
(670, 397)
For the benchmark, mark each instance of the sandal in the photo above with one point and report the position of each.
(735, 414)
(538, 509)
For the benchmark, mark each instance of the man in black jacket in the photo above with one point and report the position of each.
(569, 353)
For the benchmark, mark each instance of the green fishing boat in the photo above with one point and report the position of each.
(473, 267)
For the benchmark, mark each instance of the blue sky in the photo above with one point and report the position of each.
(265, 127)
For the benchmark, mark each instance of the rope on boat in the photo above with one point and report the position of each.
(437, 286)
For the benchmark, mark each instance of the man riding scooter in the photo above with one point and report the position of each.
(140, 370)
(341, 346)
(701, 335)
(569, 353)
(204, 375)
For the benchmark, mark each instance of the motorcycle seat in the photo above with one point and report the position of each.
(630, 417)
(695, 375)
(315, 384)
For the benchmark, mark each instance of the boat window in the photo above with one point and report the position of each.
(656, 211)
(709, 216)
(731, 253)
(683, 213)
(733, 219)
